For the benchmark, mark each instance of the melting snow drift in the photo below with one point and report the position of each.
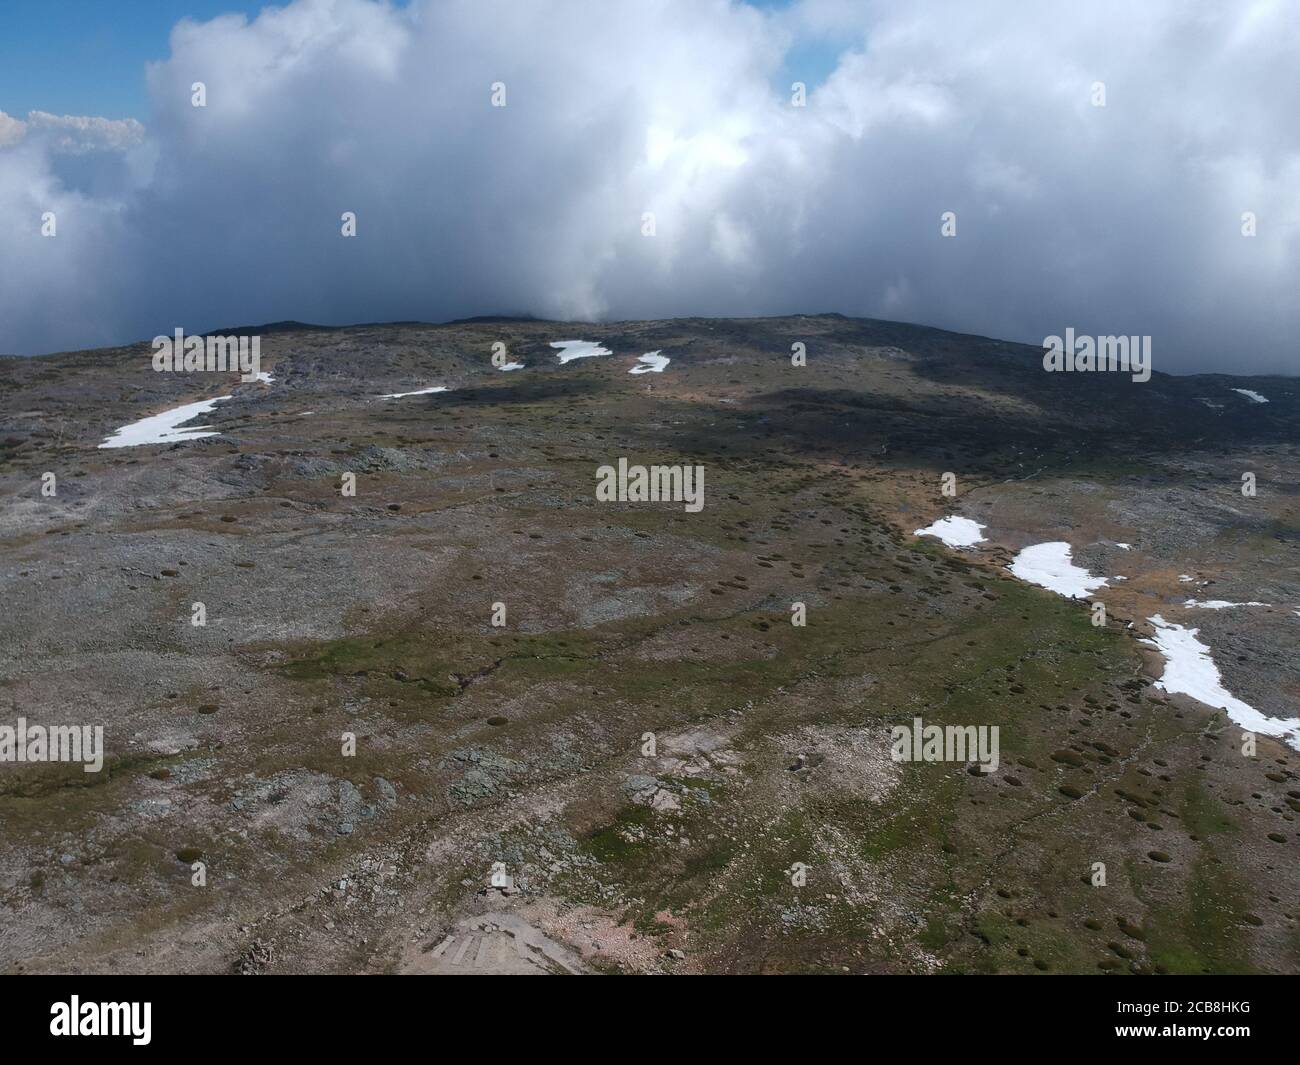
(1219, 604)
(578, 349)
(1253, 396)
(1049, 565)
(954, 531)
(419, 392)
(163, 428)
(651, 362)
(1191, 671)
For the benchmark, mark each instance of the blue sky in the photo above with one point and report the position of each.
(87, 57)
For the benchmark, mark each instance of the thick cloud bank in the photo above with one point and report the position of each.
(1122, 219)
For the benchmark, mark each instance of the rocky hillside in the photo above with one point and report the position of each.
(449, 711)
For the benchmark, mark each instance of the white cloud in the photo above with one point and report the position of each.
(71, 134)
(1123, 219)
(76, 135)
(12, 130)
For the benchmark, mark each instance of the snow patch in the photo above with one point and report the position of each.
(955, 531)
(578, 349)
(1049, 565)
(1254, 397)
(420, 392)
(651, 362)
(1219, 604)
(1189, 670)
(164, 428)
